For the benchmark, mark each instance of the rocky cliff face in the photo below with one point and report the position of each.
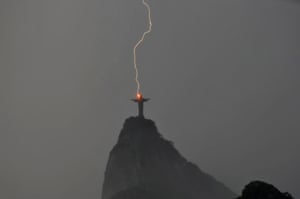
(143, 165)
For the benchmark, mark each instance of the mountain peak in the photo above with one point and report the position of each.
(138, 128)
(145, 165)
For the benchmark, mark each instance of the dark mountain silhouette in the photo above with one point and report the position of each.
(262, 190)
(143, 165)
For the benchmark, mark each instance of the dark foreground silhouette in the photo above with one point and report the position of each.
(144, 165)
(262, 190)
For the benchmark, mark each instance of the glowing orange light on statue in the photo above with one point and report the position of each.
(139, 96)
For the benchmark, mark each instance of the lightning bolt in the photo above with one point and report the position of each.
(138, 44)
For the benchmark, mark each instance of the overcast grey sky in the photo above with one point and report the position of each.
(223, 77)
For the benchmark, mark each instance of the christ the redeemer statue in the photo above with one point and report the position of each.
(140, 100)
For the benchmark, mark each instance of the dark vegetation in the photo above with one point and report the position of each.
(262, 190)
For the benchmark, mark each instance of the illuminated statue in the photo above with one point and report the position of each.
(140, 100)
